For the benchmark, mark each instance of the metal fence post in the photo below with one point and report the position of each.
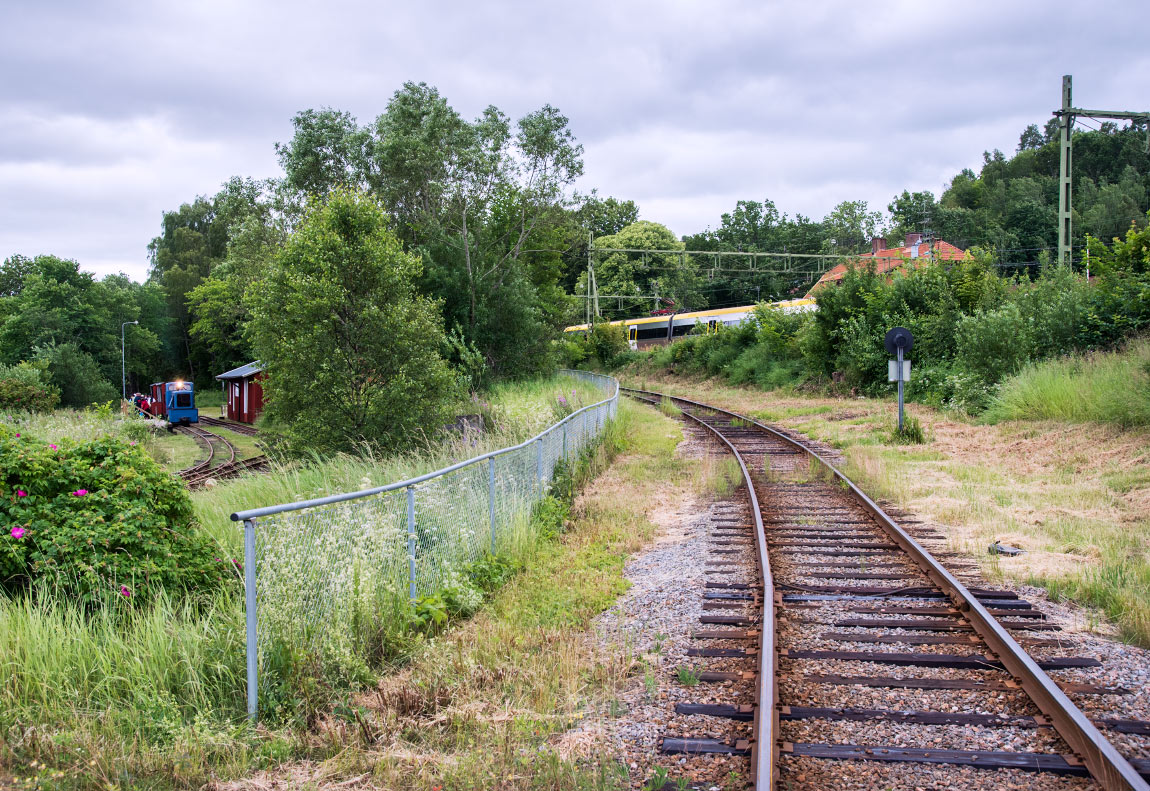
(565, 440)
(250, 613)
(539, 467)
(411, 542)
(491, 499)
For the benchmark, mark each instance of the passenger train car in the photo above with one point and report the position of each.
(175, 401)
(657, 330)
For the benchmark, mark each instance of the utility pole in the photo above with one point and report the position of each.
(1065, 129)
(124, 362)
(587, 302)
(1066, 117)
(592, 309)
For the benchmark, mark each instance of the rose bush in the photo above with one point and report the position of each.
(96, 518)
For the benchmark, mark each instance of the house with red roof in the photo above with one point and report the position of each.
(892, 259)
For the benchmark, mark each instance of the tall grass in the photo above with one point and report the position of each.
(154, 695)
(516, 410)
(159, 688)
(1109, 387)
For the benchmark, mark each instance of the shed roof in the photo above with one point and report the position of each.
(243, 372)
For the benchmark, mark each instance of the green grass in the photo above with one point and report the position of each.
(153, 696)
(174, 451)
(1108, 387)
(483, 707)
(157, 689)
(211, 400)
(781, 413)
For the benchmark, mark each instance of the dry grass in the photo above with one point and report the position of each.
(1075, 496)
(490, 703)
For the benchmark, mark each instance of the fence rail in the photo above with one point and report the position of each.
(315, 569)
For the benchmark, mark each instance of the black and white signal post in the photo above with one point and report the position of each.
(898, 342)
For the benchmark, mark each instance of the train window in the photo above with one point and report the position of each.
(183, 400)
(632, 333)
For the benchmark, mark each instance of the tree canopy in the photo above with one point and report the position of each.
(350, 349)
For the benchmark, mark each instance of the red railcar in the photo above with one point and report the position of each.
(157, 397)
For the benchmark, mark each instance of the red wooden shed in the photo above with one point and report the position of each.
(245, 396)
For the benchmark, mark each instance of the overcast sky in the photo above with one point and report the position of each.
(112, 112)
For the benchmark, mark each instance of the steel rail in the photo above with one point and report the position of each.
(204, 470)
(199, 466)
(1105, 764)
(764, 762)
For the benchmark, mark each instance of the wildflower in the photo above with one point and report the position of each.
(79, 492)
(17, 434)
(18, 532)
(21, 493)
(133, 442)
(53, 447)
(562, 400)
(127, 594)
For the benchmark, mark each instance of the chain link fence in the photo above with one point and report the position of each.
(317, 571)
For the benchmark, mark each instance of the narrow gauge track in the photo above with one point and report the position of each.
(217, 446)
(239, 428)
(933, 668)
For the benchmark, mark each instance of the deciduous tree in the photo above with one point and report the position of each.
(351, 351)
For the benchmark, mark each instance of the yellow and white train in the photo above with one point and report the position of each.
(658, 330)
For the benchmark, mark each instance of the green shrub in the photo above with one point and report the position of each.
(97, 519)
(574, 350)
(608, 341)
(911, 433)
(994, 344)
(23, 388)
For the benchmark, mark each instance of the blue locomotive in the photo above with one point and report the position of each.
(175, 401)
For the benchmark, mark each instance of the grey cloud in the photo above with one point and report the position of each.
(114, 112)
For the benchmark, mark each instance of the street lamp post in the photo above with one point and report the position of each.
(124, 362)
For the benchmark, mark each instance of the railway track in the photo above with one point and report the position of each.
(230, 425)
(214, 466)
(854, 655)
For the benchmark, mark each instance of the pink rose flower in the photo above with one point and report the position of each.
(79, 492)
(21, 493)
(18, 532)
(53, 447)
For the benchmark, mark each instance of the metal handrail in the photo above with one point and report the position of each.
(256, 513)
